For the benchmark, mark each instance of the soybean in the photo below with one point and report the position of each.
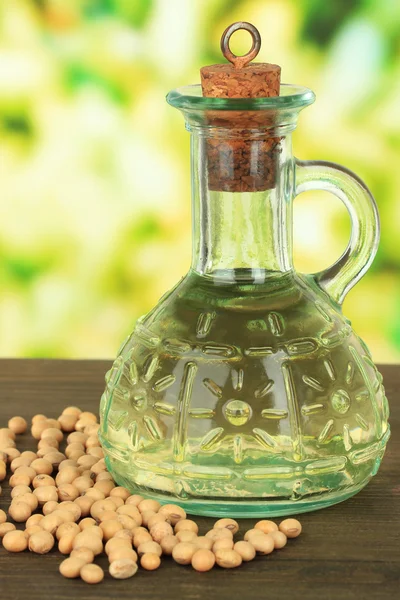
(160, 530)
(41, 542)
(228, 559)
(172, 512)
(67, 491)
(115, 544)
(72, 410)
(168, 543)
(186, 525)
(41, 480)
(72, 507)
(51, 523)
(92, 573)
(149, 505)
(17, 425)
(87, 522)
(3, 470)
(34, 520)
(20, 490)
(67, 422)
(29, 499)
(222, 543)
(183, 552)
(121, 492)
(149, 547)
(291, 528)
(216, 534)
(86, 539)
(84, 554)
(124, 534)
(71, 567)
(53, 433)
(203, 542)
(67, 528)
(110, 528)
(203, 560)
(230, 524)
(186, 536)
(65, 543)
(20, 511)
(123, 568)
(15, 541)
(5, 528)
(42, 466)
(31, 530)
(49, 507)
(266, 526)
(84, 503)
(150, 561)
(263, 544)
(46, 493)
(135, 499)
(280, 539)
(252, 533)
(123, 552)
(245, 549)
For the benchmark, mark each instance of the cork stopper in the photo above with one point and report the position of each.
(231, 163)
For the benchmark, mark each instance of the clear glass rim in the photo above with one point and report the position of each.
(291, 97)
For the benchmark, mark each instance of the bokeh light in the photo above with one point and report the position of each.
(95, 210)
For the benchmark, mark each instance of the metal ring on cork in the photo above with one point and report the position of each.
(240, 61)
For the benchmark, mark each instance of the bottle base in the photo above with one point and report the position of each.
(245, 508)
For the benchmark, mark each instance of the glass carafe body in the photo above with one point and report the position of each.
(245, 391)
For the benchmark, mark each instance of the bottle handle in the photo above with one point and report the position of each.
(338, 279)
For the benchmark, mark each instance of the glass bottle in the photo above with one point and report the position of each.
(245, 391)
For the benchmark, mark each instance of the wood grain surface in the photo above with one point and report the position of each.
(350, 551)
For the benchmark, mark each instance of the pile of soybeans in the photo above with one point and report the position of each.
(70, 499)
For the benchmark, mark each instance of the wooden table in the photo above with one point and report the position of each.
(348, 551)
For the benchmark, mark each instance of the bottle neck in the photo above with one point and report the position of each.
(241, 235)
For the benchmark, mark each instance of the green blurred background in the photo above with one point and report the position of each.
(95, 197)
